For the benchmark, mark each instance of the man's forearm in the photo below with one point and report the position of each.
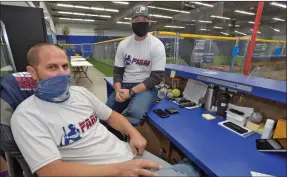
(117, 86)
(139, 88)
(154, 79)
(60, 168)
(120, 123)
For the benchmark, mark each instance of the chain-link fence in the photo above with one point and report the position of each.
(269, 60)
(220, 53)
(106, 51)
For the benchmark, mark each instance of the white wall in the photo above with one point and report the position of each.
(46, 12)
(88, 30)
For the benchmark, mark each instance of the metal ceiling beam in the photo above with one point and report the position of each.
(128, 11)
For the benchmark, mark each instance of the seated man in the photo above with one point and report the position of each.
(59, 134)
(139, 66)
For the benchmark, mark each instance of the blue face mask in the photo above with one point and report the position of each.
(54, 89)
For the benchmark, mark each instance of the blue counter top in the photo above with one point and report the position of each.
(214, 149)
(261, 87)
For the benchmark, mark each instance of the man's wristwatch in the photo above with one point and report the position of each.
(132, 92)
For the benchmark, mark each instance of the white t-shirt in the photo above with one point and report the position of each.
(140, 58)
(71, 131)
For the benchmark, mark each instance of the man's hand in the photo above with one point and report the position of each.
(138, 168)
(138, 144)
(119, 98)
(125, 94)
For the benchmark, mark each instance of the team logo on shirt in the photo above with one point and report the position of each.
(72, 133)
(129, 60)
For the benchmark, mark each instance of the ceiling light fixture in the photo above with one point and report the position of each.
(278, 19)
(121, 2)
(93, 15)
(83, 14)
(203, 21)
(105, 16)
(98, 8)
(217, 27)
(112, 10)
(166, 9)
(76, 13)
(82, 7)
(203, 4)
(220, 17)
(226, 34)
(277, 30)
(278, 4)
(235, 25)
(86, 7)
(77, 19)
(65, 18)
(240, 33)
(65, 5)
(89, 20)
(169, 26)
(126, 23)
(251, 22)
(160, 16)
(61, 12)
(244, 12)
(204, 29)
(257, 31)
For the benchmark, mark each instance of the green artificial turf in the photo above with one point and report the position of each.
(104, 68)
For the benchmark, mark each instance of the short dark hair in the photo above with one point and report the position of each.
(33, 53)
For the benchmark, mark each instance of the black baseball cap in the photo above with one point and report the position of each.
(140, 10)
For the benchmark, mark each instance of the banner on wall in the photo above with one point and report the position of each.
(260, 49)
(204, 51)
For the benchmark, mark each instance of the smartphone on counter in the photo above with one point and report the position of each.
(161, 113)
(271, 145)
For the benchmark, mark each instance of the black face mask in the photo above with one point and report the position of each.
(140, 28)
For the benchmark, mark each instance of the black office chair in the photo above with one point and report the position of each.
(14, 88)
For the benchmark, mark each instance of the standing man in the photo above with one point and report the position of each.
(139, 66)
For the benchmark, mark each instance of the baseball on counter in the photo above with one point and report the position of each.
(176, 92)
(169, 95)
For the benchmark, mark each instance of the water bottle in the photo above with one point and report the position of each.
(209, 96)
(267, 133)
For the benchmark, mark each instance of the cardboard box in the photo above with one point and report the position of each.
(157, 144)
(280, 132)
(175, 156)
(280, 129)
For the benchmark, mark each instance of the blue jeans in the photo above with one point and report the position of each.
(181, 169)
(137, 106)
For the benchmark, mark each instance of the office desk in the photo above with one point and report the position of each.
(214, 149)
